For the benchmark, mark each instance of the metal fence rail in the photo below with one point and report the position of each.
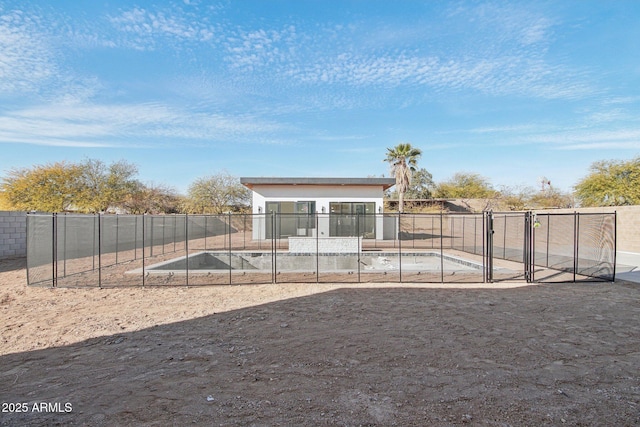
(152, 250)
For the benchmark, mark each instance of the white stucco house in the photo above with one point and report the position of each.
(344, 206)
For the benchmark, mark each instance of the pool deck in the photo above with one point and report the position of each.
(628, 267)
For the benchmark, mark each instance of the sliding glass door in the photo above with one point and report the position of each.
(352, 219)
(291, 219)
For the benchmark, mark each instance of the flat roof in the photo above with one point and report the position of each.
(385, 183)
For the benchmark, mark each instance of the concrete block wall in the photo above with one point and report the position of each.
(13, 234)
(628, 224)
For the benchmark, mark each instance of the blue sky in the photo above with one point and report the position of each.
(185, 89)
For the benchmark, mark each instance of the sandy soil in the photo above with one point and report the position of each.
(319, 354)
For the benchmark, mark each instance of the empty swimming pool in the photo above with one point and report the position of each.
(211, 262)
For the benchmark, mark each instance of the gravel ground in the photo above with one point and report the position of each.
(382, 354)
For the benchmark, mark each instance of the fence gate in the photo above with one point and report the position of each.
(507, 240)
(570, 247)
(550, 247)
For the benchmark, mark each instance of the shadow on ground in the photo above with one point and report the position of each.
(541, 355)
(12, 264)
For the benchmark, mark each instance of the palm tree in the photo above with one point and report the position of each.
(403, 159)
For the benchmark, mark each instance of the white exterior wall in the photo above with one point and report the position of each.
(323, 195)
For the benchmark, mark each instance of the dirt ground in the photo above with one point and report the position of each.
(378, 354)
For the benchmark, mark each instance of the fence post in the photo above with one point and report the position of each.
(64, 246)
(358, 242)
(400, 245)
(576, 239)
(99, 250)
(93, 248)
(484, 252)
(230, 277)
(524, 246)
(186, 247)
(526, 250)
(143, 234)
(532, 265)
(117, 236)
(274, 270)
(576, 257)
(28, 232)
(615, 243)
(441, 249)
(317, 248)
(489, 248)
(54, 261)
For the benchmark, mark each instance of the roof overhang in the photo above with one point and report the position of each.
(385, 183)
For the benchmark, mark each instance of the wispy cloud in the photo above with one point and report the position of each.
(127, 125)
(621, 100)
(505, 23)
(553, 136)
(494, 76)
(607, 116)
(604, 145)
(565, 138)
(499, 51)
(145, 28)
(26, 59)
(342, 138)
(592, 139)
(249, 49)
(505, 129)
(32, 59)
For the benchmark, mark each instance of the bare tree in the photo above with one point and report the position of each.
(216, 194)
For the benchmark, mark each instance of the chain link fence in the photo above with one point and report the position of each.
(69, 250)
